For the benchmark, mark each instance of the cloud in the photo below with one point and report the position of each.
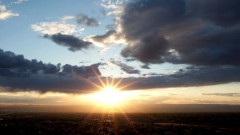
(70, 41)
(45, 83)
(52, 28)
(110, 4)
(19, 1)
(62, 33)
(103, 40)
(86, 20)
(20, 74)
(222, 94)
(186, 78)
(113, 6)
(83, 71)
(182, 31)
(104, 37)
(17, 64)
(5, 14)
(14, 64)
(66, 18)
(126, 68)
(145, 66)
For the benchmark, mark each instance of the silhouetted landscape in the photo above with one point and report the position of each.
(119, 124)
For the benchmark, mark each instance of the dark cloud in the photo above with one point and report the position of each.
(20, 74)
(47, 82)
(126, 68)
(198, 32)
(12, 64)
(145, 66)
(83, 71)
(86, 20)
(147, 50)
(70, 41)
(222, 94)
(130, 59)
(223, 13)
(190, 77)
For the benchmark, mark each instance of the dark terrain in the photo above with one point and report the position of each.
(117, 123)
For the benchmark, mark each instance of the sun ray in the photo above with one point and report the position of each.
(127, 85)
(99, 79)
(92, 83)
(107, 81)
(112, 81)
(118, 82)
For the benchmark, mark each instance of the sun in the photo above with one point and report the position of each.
(109, 96)
(110, 93)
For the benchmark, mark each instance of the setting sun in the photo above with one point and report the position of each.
(108, 96)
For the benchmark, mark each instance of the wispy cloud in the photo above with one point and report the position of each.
(5, 14)
(126, 68)
(19, 1)
(113, 7)
(56, 27)
(222, 94)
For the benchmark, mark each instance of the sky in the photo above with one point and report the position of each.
(63, 52)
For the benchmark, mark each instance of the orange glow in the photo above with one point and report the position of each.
(110, 93)
(108, 96)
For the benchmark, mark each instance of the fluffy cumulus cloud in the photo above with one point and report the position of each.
(74, 43)
(182, 31)
(5, 14)
(20, 74)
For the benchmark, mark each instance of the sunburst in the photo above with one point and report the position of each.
(110, 91)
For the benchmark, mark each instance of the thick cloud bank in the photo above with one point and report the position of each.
(20, 74)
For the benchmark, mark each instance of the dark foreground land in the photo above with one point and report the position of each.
(123, 124)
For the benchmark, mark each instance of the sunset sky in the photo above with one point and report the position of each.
(153, 52)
